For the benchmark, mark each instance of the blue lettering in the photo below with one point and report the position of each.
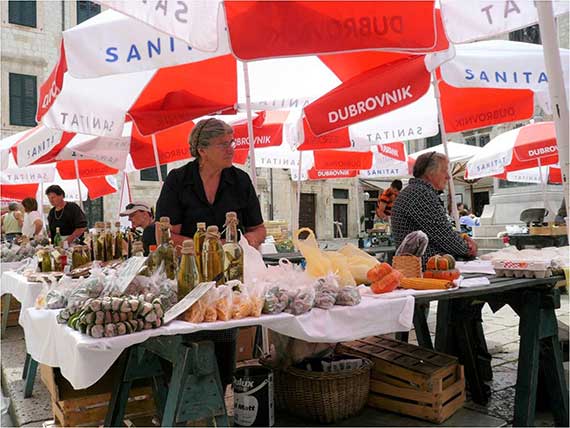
(527, 75)
(498, 76)
(515, 76)
(470, 75)
(172, 44)
(153, 47)
(111, 54)
(484, 76)
(134, 53)
(542, 77)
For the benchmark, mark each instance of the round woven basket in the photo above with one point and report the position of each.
(321, 396)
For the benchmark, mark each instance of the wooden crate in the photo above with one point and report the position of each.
(13, 312)
(88, 407)
(411, 380)
(550, 230)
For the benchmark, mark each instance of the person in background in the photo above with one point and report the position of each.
(12, 222)
(461, 207)
(140, 215)
(386, 200)
(467, 218)
(204, 190)
(418, 207)
(66, 215)
(33, 226)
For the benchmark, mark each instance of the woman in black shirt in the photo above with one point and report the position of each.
(204, 190)
(66, 215)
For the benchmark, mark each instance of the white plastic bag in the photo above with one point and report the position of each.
(253, 265)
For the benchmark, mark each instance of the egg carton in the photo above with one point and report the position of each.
(522, 269)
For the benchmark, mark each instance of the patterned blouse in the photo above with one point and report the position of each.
(418, 207)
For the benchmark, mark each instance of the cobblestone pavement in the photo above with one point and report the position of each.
(501, 329)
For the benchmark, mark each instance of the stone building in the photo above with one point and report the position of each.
(31, 36)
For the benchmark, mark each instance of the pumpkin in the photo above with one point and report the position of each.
(378, 272)
(449, 275)
(441, 262)
(387, 283)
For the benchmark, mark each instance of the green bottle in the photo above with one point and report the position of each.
(57, 240)
(188, 277)
(233, 254)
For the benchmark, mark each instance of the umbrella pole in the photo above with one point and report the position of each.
(156, 160)
(298, 211)
(122, 194)
(450, 184)
(76, 164)
(556, 89)
(249, 126)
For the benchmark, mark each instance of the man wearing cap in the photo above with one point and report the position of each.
(140, 215)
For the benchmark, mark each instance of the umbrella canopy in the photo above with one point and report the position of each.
(527, 147)
(292, 28)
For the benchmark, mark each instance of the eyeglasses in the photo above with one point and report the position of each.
(226, 145)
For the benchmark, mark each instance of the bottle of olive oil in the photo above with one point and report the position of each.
(199, 237)
(99, 242)
(233, 253)
(108, 242)
(188, 277)
(213, 257)
(165, 253)
(118, 241)
(138, 250)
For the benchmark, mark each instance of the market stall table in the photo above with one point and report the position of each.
(534, 300)
(26, 292)
(297, 257)
(83, 360)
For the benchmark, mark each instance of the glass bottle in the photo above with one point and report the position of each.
(108, 242)
(86, 254)
(44, 260)
(213, 257)
(165, 253)
(57, 240)
(151, 259)
(138, 249)
(188, 277)
(199, 237)
(233, 254)
(130, 243)
(118, 240)
(77, 257)
(99, 242)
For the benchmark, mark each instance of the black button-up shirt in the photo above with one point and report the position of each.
(183, 199)
(418, 207)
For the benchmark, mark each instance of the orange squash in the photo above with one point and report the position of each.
(387, 283)
(441, 262)
(378, 272)
(449, 275)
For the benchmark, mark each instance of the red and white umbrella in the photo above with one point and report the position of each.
(527, 147)
(456, 152)
(263, 29)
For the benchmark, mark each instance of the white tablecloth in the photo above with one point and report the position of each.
(84, 360)
(21, 289)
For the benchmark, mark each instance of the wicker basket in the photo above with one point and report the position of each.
(321, 396)
(409, 266)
